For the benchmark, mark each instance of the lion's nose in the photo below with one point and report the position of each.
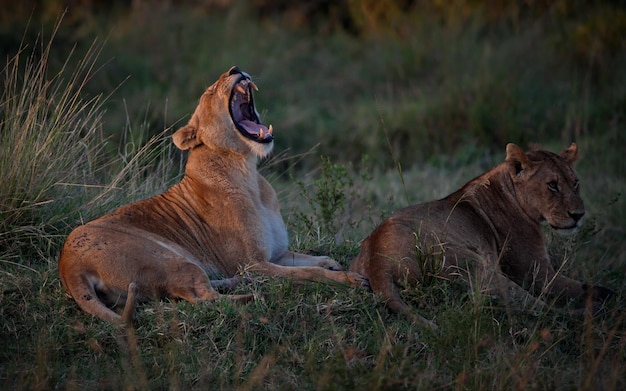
(576, 215)
(234, 70)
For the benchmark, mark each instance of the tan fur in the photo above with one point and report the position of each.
(222, 218)
(490, 228)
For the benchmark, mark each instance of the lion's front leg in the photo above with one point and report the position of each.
(514, 296)
(293, 259)
(493, 281)
(308, 273)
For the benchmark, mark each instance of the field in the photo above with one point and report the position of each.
(374, 108)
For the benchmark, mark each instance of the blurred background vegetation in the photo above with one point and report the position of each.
(410, 81)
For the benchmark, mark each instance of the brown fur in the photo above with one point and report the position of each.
(491, 228)
(222, 218)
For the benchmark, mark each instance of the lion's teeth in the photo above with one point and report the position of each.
(261, 133)
(253, 85)
(240, 89)
(270, 130)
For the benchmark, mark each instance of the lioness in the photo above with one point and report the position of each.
(221, 218)
(491, 226)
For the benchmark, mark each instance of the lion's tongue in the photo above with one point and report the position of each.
(254, 128)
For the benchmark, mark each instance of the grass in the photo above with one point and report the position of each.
(71, 150)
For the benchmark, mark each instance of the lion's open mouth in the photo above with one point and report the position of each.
(244, 115)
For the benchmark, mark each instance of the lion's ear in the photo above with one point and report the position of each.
(570, 154)
(516, 156)
(186, 137)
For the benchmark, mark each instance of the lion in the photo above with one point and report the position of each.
(221, 219)
(491, 227)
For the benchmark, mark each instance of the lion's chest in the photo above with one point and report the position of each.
(239, 220)
(273, 235)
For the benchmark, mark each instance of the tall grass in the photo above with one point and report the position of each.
(51, 141)
(58, 165)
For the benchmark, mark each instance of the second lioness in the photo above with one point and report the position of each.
(222, 218)
(489, 230)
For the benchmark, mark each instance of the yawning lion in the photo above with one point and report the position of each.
(221, 218)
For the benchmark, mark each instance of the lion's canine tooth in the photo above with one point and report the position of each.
(270, 130)
(261, 133)
(239, 88)
(253, 85)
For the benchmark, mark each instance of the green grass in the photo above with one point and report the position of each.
(400, 117)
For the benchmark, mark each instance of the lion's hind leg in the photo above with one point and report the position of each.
(230, 283)
(192, 284)
(83, 289)
(384, 282)
(397, 305)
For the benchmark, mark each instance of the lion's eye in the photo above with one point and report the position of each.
(553, 186)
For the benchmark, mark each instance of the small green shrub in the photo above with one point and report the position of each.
(327, 198)
(330, 200)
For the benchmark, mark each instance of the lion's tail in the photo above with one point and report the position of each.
(383, 276)
(131, 303)
(82, 289)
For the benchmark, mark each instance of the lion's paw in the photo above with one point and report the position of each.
(328, 263)
(355, 279)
